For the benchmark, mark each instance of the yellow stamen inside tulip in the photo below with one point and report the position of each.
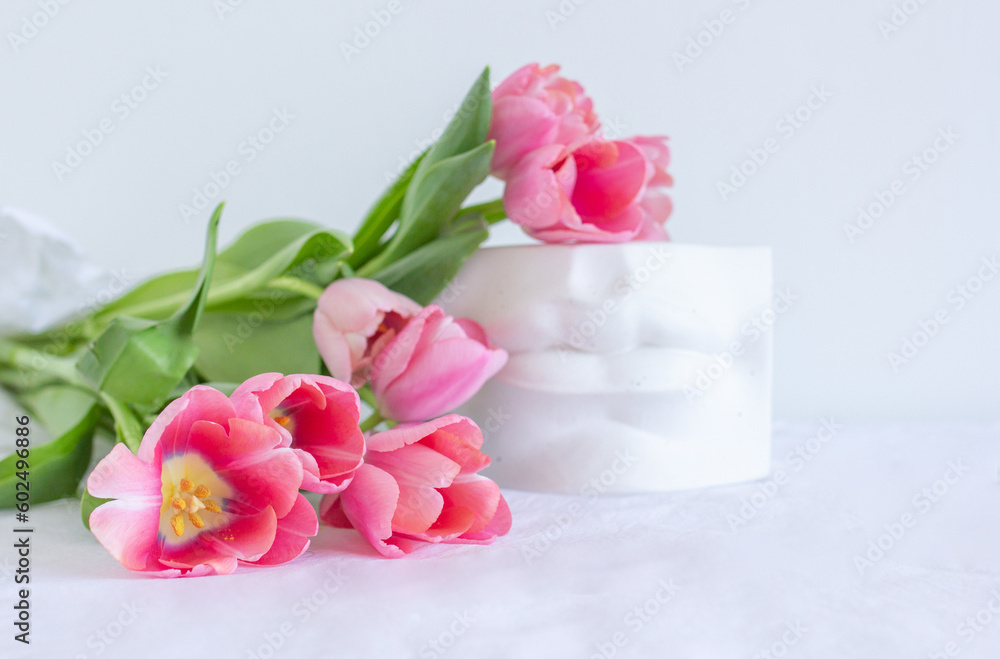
(177, 522)
(190, 499)
(283, 421)
(196, 520)
(187, 482)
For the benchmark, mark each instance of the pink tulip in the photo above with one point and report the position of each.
(533, 108)
(604, 192)
(206, 491)
(355, 318)
(655, 203)
(317, 416)
(434, 364)
(420, 483)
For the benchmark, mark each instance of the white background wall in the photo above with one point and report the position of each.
(356, 121)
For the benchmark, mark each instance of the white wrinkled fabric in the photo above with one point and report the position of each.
(44, 274)
(570, 574)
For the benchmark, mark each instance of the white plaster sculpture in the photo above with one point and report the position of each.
(634, 367)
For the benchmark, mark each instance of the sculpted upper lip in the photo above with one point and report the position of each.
(634, 324)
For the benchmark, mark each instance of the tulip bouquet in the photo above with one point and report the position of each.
(302, 359)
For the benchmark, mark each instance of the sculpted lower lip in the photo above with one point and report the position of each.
(646, 368)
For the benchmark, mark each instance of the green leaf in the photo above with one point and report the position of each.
(368, 237)
(58, 407)
(234, 347)
(299, 257)
(262, 253)
(185, 320)
(259, 243)
(275, 304)
(425, 272)
(448, 172)
(467, 129)
(136, 360)
(56, 467)
(88, 503)
(436, 198)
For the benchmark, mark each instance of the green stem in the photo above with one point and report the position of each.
(33, 363)
(296, 285)
(372, 267)
(492, 211)
(371, 421)
(365, 393)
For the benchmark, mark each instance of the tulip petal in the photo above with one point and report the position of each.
(329, 429)
(256, 397)
(476, 494)
(587, 233)
(499, 525)
(127, 528)
(439, 379)
(331, 512)
(416, 465)
(517, 82)
(609, 190)
(259, 474)
(310, 470)
(245, 440)
(519, 125)
(210, 565)
(173, 425)
(227, 564)
(452, 523)
(534, 196)
(404, 434)
(292, 536)
(395, 357)
(460, 439)
(121, 474)
(334, 346)
(369, 504)
(245, 537)
(417, 510)
(657, 205)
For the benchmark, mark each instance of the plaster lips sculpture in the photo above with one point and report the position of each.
(634, 367)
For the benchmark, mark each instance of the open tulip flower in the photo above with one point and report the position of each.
(535, 107)
(433, 365)
(603, 192)
(206, 491)
(355, 319)
(317, 416)
(420, 483)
